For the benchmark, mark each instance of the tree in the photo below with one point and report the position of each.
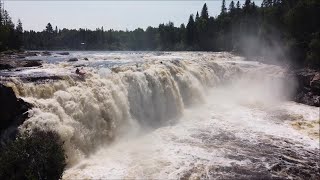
(223, 7)
(39, 155)
(18, 35)
(197, 17)
(238, 5)
(266, 3)
(190, 30)
(0, 14)
(231, 6)
(247, 4)
(49, 28)
(204, 12)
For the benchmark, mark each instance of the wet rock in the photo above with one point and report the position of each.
(31, 63)
(63, 53)
(8, 52)
(17, 63)
(30, 53)
(86, 59)
(21, 56)
(5, 66)
(13, 112)
(46, 53)
(42, 79)
(308, 90)
(73, 59)
(315, 84)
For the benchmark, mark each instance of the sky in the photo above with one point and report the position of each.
(117, 15)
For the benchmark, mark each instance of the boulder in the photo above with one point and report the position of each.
(86, 59)
(308, 90)
(73, 59)
(31, 63)
(63, 53)
(46, 53)
(5, 66)
(315, 84)
(13, 112)
(30, 53)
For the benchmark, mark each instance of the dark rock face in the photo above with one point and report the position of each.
(308, 91)
(13, 112)
(73, 59)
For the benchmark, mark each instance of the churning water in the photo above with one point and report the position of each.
(173, 115)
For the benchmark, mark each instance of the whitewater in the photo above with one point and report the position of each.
(171, 115)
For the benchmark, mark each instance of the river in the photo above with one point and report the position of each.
(172, 115)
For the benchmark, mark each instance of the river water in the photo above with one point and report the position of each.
(172, 115)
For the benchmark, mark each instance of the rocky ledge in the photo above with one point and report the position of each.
(308, 91)
(16, 59)
(17, 63)
(13, 112)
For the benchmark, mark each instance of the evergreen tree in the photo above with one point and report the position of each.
(197, 17)
(0, 13)
(204, 12)
(247, 4)
(49, 28)
(238, 5)
(19, 35)
(223, 7)
(190, 30)
(231, 6)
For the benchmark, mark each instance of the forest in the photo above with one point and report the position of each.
(278, 29)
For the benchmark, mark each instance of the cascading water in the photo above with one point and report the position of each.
(96, 111)
(91, 115)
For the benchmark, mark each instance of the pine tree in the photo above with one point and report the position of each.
(238, 5)
(7, 19)
(49, 28)
(18, 40)
(223, 7)
(19, 26)
(231, 6)
(247, 4)
(0, 13)
(190, 30)
(197, 17)
(204, 12)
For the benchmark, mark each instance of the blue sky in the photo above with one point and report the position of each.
(118, 15)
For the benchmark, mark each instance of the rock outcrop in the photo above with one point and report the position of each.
(73, 59)
(17, 63)
(63, 53)
(308, 91)
(13, 112)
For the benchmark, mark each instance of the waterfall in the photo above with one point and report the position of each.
(129, 99)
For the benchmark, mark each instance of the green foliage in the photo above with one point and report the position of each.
(10, 37)
(204, 12)
(36, 156)
(313, 56)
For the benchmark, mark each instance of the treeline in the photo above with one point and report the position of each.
(11, 36)
(279, 29)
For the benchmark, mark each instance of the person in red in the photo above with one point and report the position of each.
(79, 72)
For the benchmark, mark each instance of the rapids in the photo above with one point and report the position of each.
(173, 115)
